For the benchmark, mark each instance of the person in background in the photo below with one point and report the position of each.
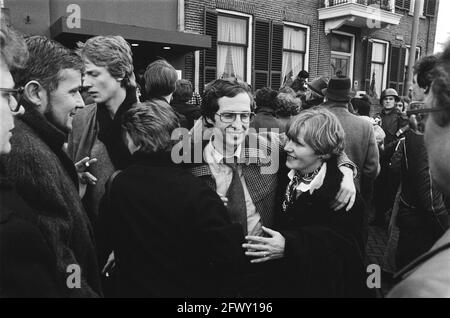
(288, 106)
(299, 84)
(180, 103)
(314, 95)
(95, 142)
(394, 124)
(266, 106)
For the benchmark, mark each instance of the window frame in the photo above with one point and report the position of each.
(351, 54)
(248, 61)
(307, 44)
(386, 63)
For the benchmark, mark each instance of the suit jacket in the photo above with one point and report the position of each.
(360, 144)
(262, 159)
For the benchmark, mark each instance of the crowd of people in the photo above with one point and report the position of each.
(150, 190)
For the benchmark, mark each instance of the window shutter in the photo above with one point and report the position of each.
(429, 8)
(397, 60)
(401, 85)
(210, 55)
(262, 51)
(403, 4)
(394, 67)
(276, 55)
(368, 54)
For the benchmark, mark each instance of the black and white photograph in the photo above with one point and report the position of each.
(225, 155)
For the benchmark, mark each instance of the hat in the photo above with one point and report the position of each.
(338, 89)
(318, 85)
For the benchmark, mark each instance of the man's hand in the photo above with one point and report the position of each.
(82, 166)
(265, 248)
(347, 193)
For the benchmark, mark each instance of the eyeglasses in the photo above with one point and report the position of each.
(13, 93)
(229, 118)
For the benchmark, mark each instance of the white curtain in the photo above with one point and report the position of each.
(292, 62)
(379, 52)
(231, 30)
(293, 39)
(378, 69)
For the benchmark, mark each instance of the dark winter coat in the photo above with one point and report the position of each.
(47, 181)
(323, 251)
(170, 232)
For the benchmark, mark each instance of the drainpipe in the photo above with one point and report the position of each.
(412, 50)
(180, 17)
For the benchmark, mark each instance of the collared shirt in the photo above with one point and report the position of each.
(223, 176)
(315, 184)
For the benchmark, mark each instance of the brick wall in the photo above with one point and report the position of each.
(305, 12)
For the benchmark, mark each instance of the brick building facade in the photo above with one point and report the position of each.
(373, 52)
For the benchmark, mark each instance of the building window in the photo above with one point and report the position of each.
(295, 48)
(232, 47)
(379, 67)
(342, 51)
(408, 48)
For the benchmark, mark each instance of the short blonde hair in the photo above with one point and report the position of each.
(112, 52)
(150, 125)
(320, 129)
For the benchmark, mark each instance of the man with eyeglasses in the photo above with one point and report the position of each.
(422, 215)
(428, 276)
(46, 178)
(242, 166)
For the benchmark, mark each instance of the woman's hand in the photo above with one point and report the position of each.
(265, 248)
(347, 193)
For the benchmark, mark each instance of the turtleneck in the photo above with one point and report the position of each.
(110, 131)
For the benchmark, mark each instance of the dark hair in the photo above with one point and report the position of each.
(424, 70)
(46, 60)
(303, 74)
(287, 105)
(222, 88)
(112, 52)
(440, 87)
(160, 78)
(150, 125)
(13, 49)
(266, 97)
(183, 91)
(361, 105)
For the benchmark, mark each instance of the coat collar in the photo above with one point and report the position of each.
(254, 150)
(162, 159)
(48, 132)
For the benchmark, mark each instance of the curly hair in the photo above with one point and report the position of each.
(288, 105)
(266, 97)
(112, 52)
